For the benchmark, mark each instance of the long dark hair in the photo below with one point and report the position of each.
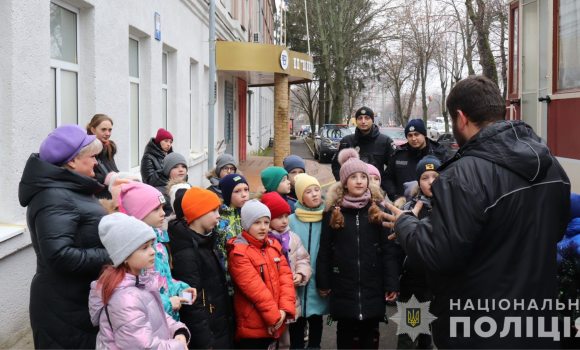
(94, 123)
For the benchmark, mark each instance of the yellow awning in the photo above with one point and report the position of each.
(257, 63)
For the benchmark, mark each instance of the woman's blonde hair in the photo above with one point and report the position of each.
(94, 123)
(95, 147)
(337, 219)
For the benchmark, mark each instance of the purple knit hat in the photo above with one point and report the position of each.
(350, 164)
(64, 143)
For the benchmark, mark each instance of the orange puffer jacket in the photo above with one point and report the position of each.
(263, 285)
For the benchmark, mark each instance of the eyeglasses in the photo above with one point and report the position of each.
(229, 169)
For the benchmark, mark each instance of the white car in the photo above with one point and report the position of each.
(436, 130)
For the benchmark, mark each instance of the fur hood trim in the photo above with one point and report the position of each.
(336, 190)
(172, 183)
(212, 173)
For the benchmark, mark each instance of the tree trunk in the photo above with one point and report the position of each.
(486, 59)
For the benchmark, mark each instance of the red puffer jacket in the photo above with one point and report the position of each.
(263, 285)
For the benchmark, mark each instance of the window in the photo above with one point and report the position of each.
(64, 64)
(134, 99)
(568, 45)
(164, 91)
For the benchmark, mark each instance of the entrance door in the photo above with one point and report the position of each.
(229, 118)
(242, 133)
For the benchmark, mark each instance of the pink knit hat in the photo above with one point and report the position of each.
(350, 164)
(374, 171)
(138, 199)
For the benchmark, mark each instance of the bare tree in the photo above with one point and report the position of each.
(305, 99)
(480, 17)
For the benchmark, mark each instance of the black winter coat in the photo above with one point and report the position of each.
(413, 277)
(196, 262)
(499, 209)
(403, 166)
(102, 169)
(374, 148)
(152, 171)
(63, 218)
(359, 264)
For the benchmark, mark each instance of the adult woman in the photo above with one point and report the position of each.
(101, 126)
(57, 186)
(224, 165)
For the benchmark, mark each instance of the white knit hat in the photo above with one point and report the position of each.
(122, 235)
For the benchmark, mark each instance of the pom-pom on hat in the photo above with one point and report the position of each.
(350, 163)
(276, 204)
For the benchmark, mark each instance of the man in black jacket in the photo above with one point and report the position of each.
(489, 247)
(404, 160)
(373, 147)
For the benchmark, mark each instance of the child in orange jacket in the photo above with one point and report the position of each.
(264, 293)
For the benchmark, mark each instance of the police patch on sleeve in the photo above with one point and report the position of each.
(393, 145)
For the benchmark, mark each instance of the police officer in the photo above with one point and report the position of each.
(373, 147)
(403, 163)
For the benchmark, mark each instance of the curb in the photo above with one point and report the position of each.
(310, 149)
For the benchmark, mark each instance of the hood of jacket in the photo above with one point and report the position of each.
(362, 138)
(147, 281)
(510, 144)
(152, 149)
(182, 237)
(39, 175)
(336, 190)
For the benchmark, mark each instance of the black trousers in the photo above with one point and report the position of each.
(255, 343)
(314, 332)
(365, 329)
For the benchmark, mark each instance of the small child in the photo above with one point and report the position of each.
(307, 223)
(264, 289)
(174, 169)
(413, 277)
(276, 179)
(146, 204)
(114, 181)
(195, 262)
(375, 179)
(357, 263)
(294, 165)
(124, 302)
(297, 257)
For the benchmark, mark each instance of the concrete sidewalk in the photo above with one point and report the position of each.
(254, 165)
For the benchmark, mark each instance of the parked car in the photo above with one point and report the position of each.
(448, 141)
(327, 141)
(397, 134)
(436, 130)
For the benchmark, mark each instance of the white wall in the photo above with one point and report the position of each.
(103, 45)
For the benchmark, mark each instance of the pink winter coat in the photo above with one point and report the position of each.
(137, 316)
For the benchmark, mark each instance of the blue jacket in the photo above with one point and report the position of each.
(309, 233)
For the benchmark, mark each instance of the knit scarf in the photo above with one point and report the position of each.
(351, 202)
(306, 214)
(284, 239)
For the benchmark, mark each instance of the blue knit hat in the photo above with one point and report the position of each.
(574, 206)
(294, 162)
(416, 125)
(227, 185)
(428, 163)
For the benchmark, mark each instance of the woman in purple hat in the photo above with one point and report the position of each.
(58, 188)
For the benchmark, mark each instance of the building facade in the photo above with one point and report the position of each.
(144, 63)
(544, 75)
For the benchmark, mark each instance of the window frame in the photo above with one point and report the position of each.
(133, 80)
(165, 86)
(59, 65)
(556, 52)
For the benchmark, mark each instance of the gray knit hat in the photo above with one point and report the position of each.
(122, 235)
(224, 160)
(252, 211)
(171, 160)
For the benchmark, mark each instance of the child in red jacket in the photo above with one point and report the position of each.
(264, 293)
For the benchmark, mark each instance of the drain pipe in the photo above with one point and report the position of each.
(250, 93)
(260, 88)
(211, 141)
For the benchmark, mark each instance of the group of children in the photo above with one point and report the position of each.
(247, 273)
